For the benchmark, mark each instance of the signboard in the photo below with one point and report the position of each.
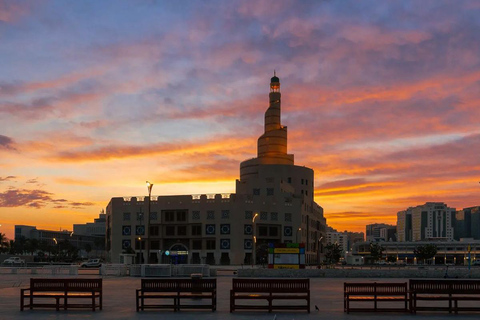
(286, 255)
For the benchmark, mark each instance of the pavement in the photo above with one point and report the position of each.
(119, 303)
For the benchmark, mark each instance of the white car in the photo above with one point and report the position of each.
(92, 263)
(14, 261)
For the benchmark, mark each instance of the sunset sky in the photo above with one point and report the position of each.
(381, 99)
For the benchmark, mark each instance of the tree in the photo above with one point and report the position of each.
(3, 243)
(425, 252)
(376, 251)
(88, 248)
(334, 253)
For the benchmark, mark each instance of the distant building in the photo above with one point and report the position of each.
(433, 220)
(404, 225)
(340, 238)
(53, 237)
(273, 203)
(354, 237)
(380, 232)
(467, 224)
(448, 252)
(95, 228)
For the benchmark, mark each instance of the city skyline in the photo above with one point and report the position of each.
(380, 99)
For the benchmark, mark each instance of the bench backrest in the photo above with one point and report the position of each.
(179, 285)
(384, 288)
(71, 285)
(445, 286)
(271, 285)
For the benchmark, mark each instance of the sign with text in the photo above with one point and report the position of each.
(286, 256)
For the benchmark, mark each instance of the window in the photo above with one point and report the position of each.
(274, 216)
(306, 182)
(262, 231)
(248, 214)
(139, 230)
(153, 216)
(126, 230)
(169, 216)
(225, 214)
(288, 217)
(181, 216)
(139, 216)
(210, 244)
(170, 230)
(273, 232)
(126, 216)
(210, 215)
(306, 192)
(154, 230)
(197, 244)
(182, 230)
(247, 229)
(270, 191)
(263, 215)
(289, 180)
(155, 245)
(302, 181)
(197, 230)
(196, 215)
(256, 192)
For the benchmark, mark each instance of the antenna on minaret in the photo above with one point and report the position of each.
(274, 73)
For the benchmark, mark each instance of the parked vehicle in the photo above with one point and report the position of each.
(14, 261)
(476, 263)
(92, 263)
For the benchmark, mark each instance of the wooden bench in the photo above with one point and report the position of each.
(376, 292)
(270, 290)
(452, 291)
(177, 290)
(62, 291)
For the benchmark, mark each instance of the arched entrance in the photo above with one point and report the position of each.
(176, 254)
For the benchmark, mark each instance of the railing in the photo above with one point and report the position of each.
(53, 270)
(183, 270)
(117, 270)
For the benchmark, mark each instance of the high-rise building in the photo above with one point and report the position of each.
(273, 203)
(467, 224)
(433, 220)
(404, 225)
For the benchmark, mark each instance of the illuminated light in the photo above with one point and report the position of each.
(167, 253)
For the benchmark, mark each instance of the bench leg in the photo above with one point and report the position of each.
(270, 304)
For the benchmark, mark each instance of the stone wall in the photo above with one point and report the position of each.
(417, 272)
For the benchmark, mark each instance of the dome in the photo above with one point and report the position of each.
(275, 79)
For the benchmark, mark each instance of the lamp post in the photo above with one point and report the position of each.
(147, 247)
(254, 239)
(296, 234)
(318, 249)
(56, 245)
(140, 243)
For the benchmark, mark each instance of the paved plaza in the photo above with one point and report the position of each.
(119, 303)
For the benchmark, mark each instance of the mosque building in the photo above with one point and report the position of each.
(274, 202)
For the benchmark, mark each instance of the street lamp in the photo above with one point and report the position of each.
(318, 249)
(56, 244)
(140, 243)
(254, 239)
(296, 234)
(147, 247)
